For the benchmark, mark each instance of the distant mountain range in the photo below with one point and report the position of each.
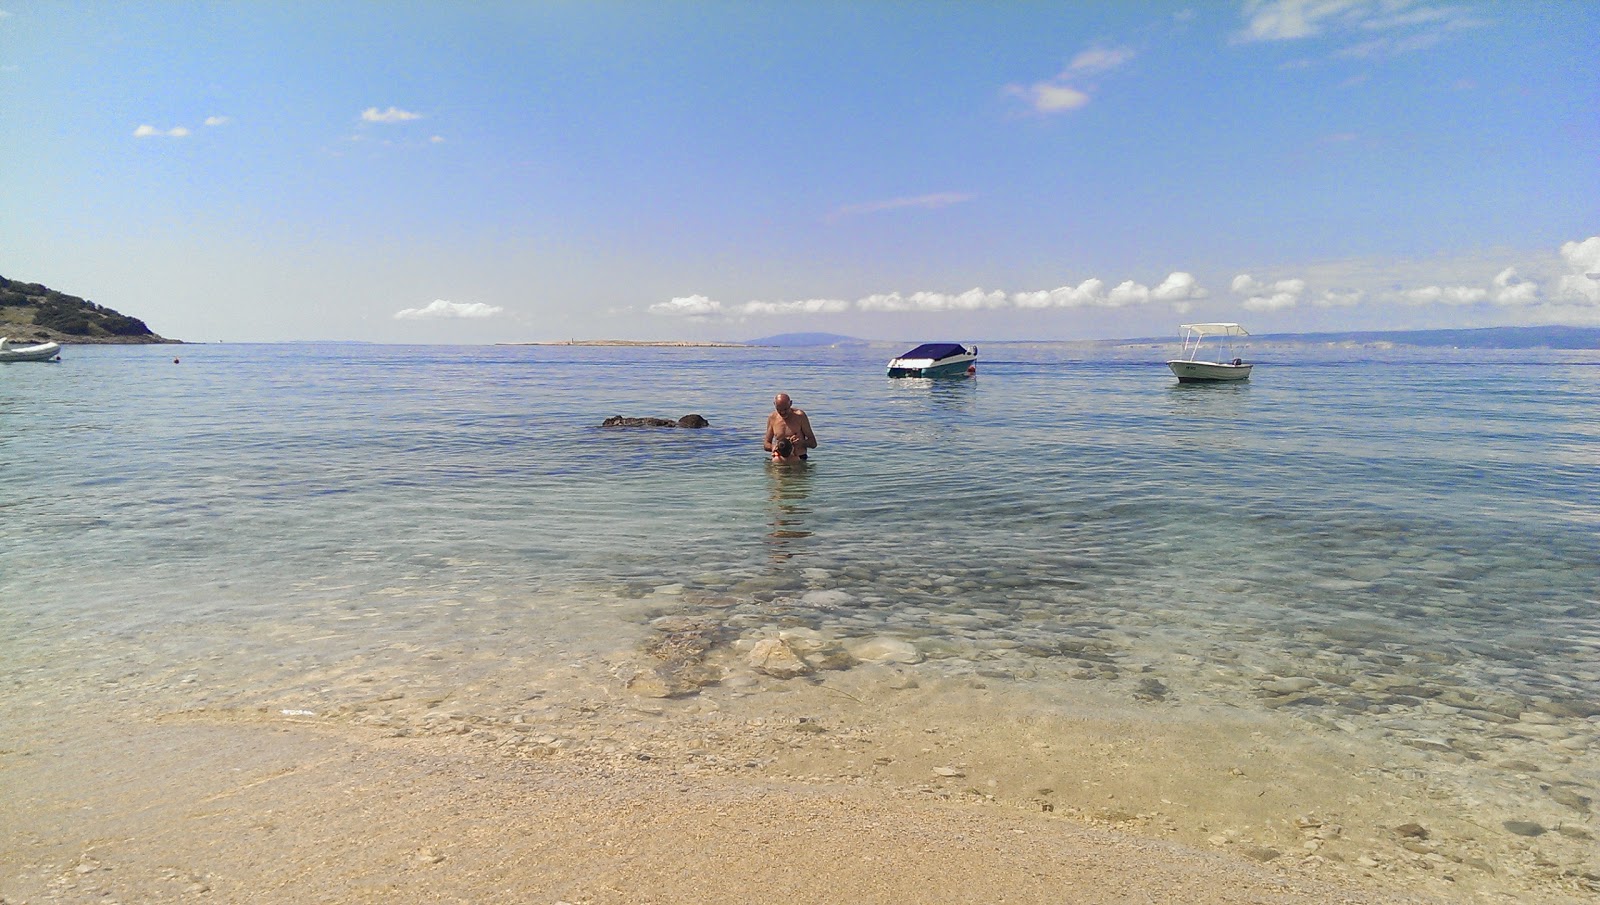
(1476, 338)
(1473, 338)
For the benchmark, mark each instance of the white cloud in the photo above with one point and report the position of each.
(1268, 296)
(805, 306)
(1066, 90)
(1444, 295)
(1340, 298)
(1099, 59)
(440, 309)
(1085, 293)
(688, 306)
(391, 115)
(1511, 291)
(218, 120)
(152, 132)
(1582, 285)
(1178, 287)
(1286, 20)
(1049, 97)
(971, 300)
(932, 201)
(436, 139)
(1399, 26)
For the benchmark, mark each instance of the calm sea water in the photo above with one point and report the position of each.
(1423, 524)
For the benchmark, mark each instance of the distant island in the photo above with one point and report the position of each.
(1543, 337)
(808, 339)
(34, 312)
(630, 342)
(1468, 338)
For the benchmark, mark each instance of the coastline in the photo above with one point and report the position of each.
(267, 809)
(668, 344)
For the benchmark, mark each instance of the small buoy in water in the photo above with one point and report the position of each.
(972, 369)
(174, 361)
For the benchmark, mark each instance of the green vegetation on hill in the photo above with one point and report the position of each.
(37, 312)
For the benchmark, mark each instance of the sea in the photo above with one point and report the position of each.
(1345, 615)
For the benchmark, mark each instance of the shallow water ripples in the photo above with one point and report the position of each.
(1398, 547)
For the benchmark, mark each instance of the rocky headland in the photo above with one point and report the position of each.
(33, 312)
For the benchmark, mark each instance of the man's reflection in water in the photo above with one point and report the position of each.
(787, 486)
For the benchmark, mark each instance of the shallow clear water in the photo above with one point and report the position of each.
(1418, 530)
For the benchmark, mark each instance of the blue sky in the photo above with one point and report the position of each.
(443, 172)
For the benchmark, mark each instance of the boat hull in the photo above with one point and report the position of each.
(956, 366)
(42, 352)
(1208, 371)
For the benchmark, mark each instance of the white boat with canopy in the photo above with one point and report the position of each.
(1191, 368)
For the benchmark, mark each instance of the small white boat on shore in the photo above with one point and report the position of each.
(1191, 368)
(9, 351)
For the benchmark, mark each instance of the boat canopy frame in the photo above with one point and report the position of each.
(1193, 333)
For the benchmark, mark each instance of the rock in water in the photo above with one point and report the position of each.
(620, 421)
(776, 659)
(887, 650)
(1524, 827)
(691, 421)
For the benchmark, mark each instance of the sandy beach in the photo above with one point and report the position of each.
(201, 808)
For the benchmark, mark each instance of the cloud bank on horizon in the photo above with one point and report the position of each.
(440, 309)
(1573, 292)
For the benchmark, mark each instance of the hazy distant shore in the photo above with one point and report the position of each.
(632, 342)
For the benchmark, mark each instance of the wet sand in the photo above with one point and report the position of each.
(207, 808)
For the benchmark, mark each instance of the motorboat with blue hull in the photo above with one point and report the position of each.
(1191, 368)
(936, 360)
(10, 351)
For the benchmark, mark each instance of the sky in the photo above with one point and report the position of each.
(415, 172)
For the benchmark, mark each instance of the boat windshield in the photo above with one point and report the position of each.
(936, 351)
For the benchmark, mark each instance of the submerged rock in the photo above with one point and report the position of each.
(776, 659)
(691, 421)
(1524, 827)
(886, 650)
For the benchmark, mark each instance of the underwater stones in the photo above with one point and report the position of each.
(827, 599)
(1524, 828)
(886, 650)
(672, 680)
(681, 648)
(1411, 831)
(1150, 690)
(1565, 796)
(766, 584)
(1289, 685)
(772, 657)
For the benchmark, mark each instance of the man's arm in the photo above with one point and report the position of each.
(809, 439)
(766, 441)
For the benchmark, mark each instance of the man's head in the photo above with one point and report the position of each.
(782, 404)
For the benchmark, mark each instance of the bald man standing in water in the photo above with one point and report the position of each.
(788, 421)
